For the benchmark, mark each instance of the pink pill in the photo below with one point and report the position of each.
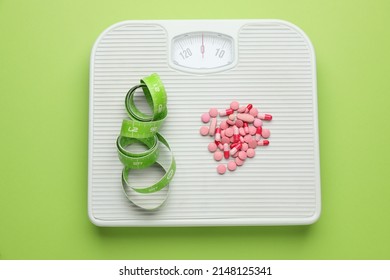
(257, 122)
(246, 118)
(263, 143)
(218, 155)
(246, 127)
(231, 165)
(234, 105)
(247, 138)
(230, 122)
(253, 112)
(232, 117)
(236, 134)
(224, 125)
(235, 155)
(222, 133)
(213, 112)
(241, 109)
(229, 132)
(238, 161)
(213, 126)
(242, 155)
(204, 130)
(266, 117)
(265, 133)
(205, 117)
(250, 153)
(217, 135)
(252, 144)
(226, 151)
(225, 140)
(239, 123)
(226, 112)
(242, 131)
(212, 147)
(235, 147)
(221, 169)
(244, 147)
(252, 130)
(219, 145)
(232, 140)
(242, 139)
(258, 133)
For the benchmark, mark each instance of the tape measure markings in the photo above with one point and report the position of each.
(143, 128)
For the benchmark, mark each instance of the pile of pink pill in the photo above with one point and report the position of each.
(237, 137)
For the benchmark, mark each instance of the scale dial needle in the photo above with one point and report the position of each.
(202, 47)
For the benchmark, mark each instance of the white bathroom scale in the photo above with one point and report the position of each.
(204, 64)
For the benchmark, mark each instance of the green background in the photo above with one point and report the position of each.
(44, 66)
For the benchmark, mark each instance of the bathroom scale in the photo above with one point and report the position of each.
(203, 64)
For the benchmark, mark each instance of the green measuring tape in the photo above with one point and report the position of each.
(143, 129)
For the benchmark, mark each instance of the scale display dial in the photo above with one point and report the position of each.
(202, 51)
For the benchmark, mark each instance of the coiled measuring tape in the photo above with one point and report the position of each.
(143, 128)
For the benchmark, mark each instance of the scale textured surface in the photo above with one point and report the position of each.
(275, 72)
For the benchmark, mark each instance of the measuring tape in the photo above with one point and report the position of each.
(143, 128)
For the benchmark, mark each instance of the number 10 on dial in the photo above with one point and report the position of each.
(202, 51)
